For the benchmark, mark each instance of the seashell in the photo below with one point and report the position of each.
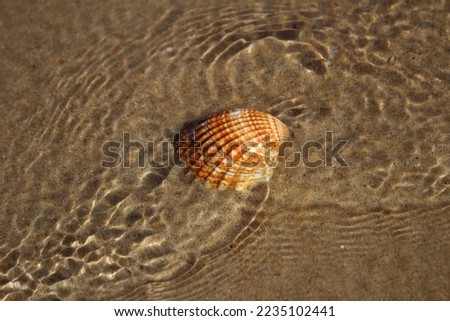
(231, 148)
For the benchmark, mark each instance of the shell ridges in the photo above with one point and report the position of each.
(235, 149)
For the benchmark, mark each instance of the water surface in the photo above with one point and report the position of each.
(77, 75)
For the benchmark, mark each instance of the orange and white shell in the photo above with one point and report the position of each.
(232, 148)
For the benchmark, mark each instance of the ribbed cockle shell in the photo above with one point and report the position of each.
(234, 149)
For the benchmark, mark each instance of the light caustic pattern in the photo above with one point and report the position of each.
(374, 74)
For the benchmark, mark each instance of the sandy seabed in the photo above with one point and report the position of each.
(75, 75)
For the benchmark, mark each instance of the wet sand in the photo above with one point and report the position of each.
(77, 75)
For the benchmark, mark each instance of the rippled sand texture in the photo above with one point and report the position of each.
(74, 76)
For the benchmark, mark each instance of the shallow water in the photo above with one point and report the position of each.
(75, 76)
